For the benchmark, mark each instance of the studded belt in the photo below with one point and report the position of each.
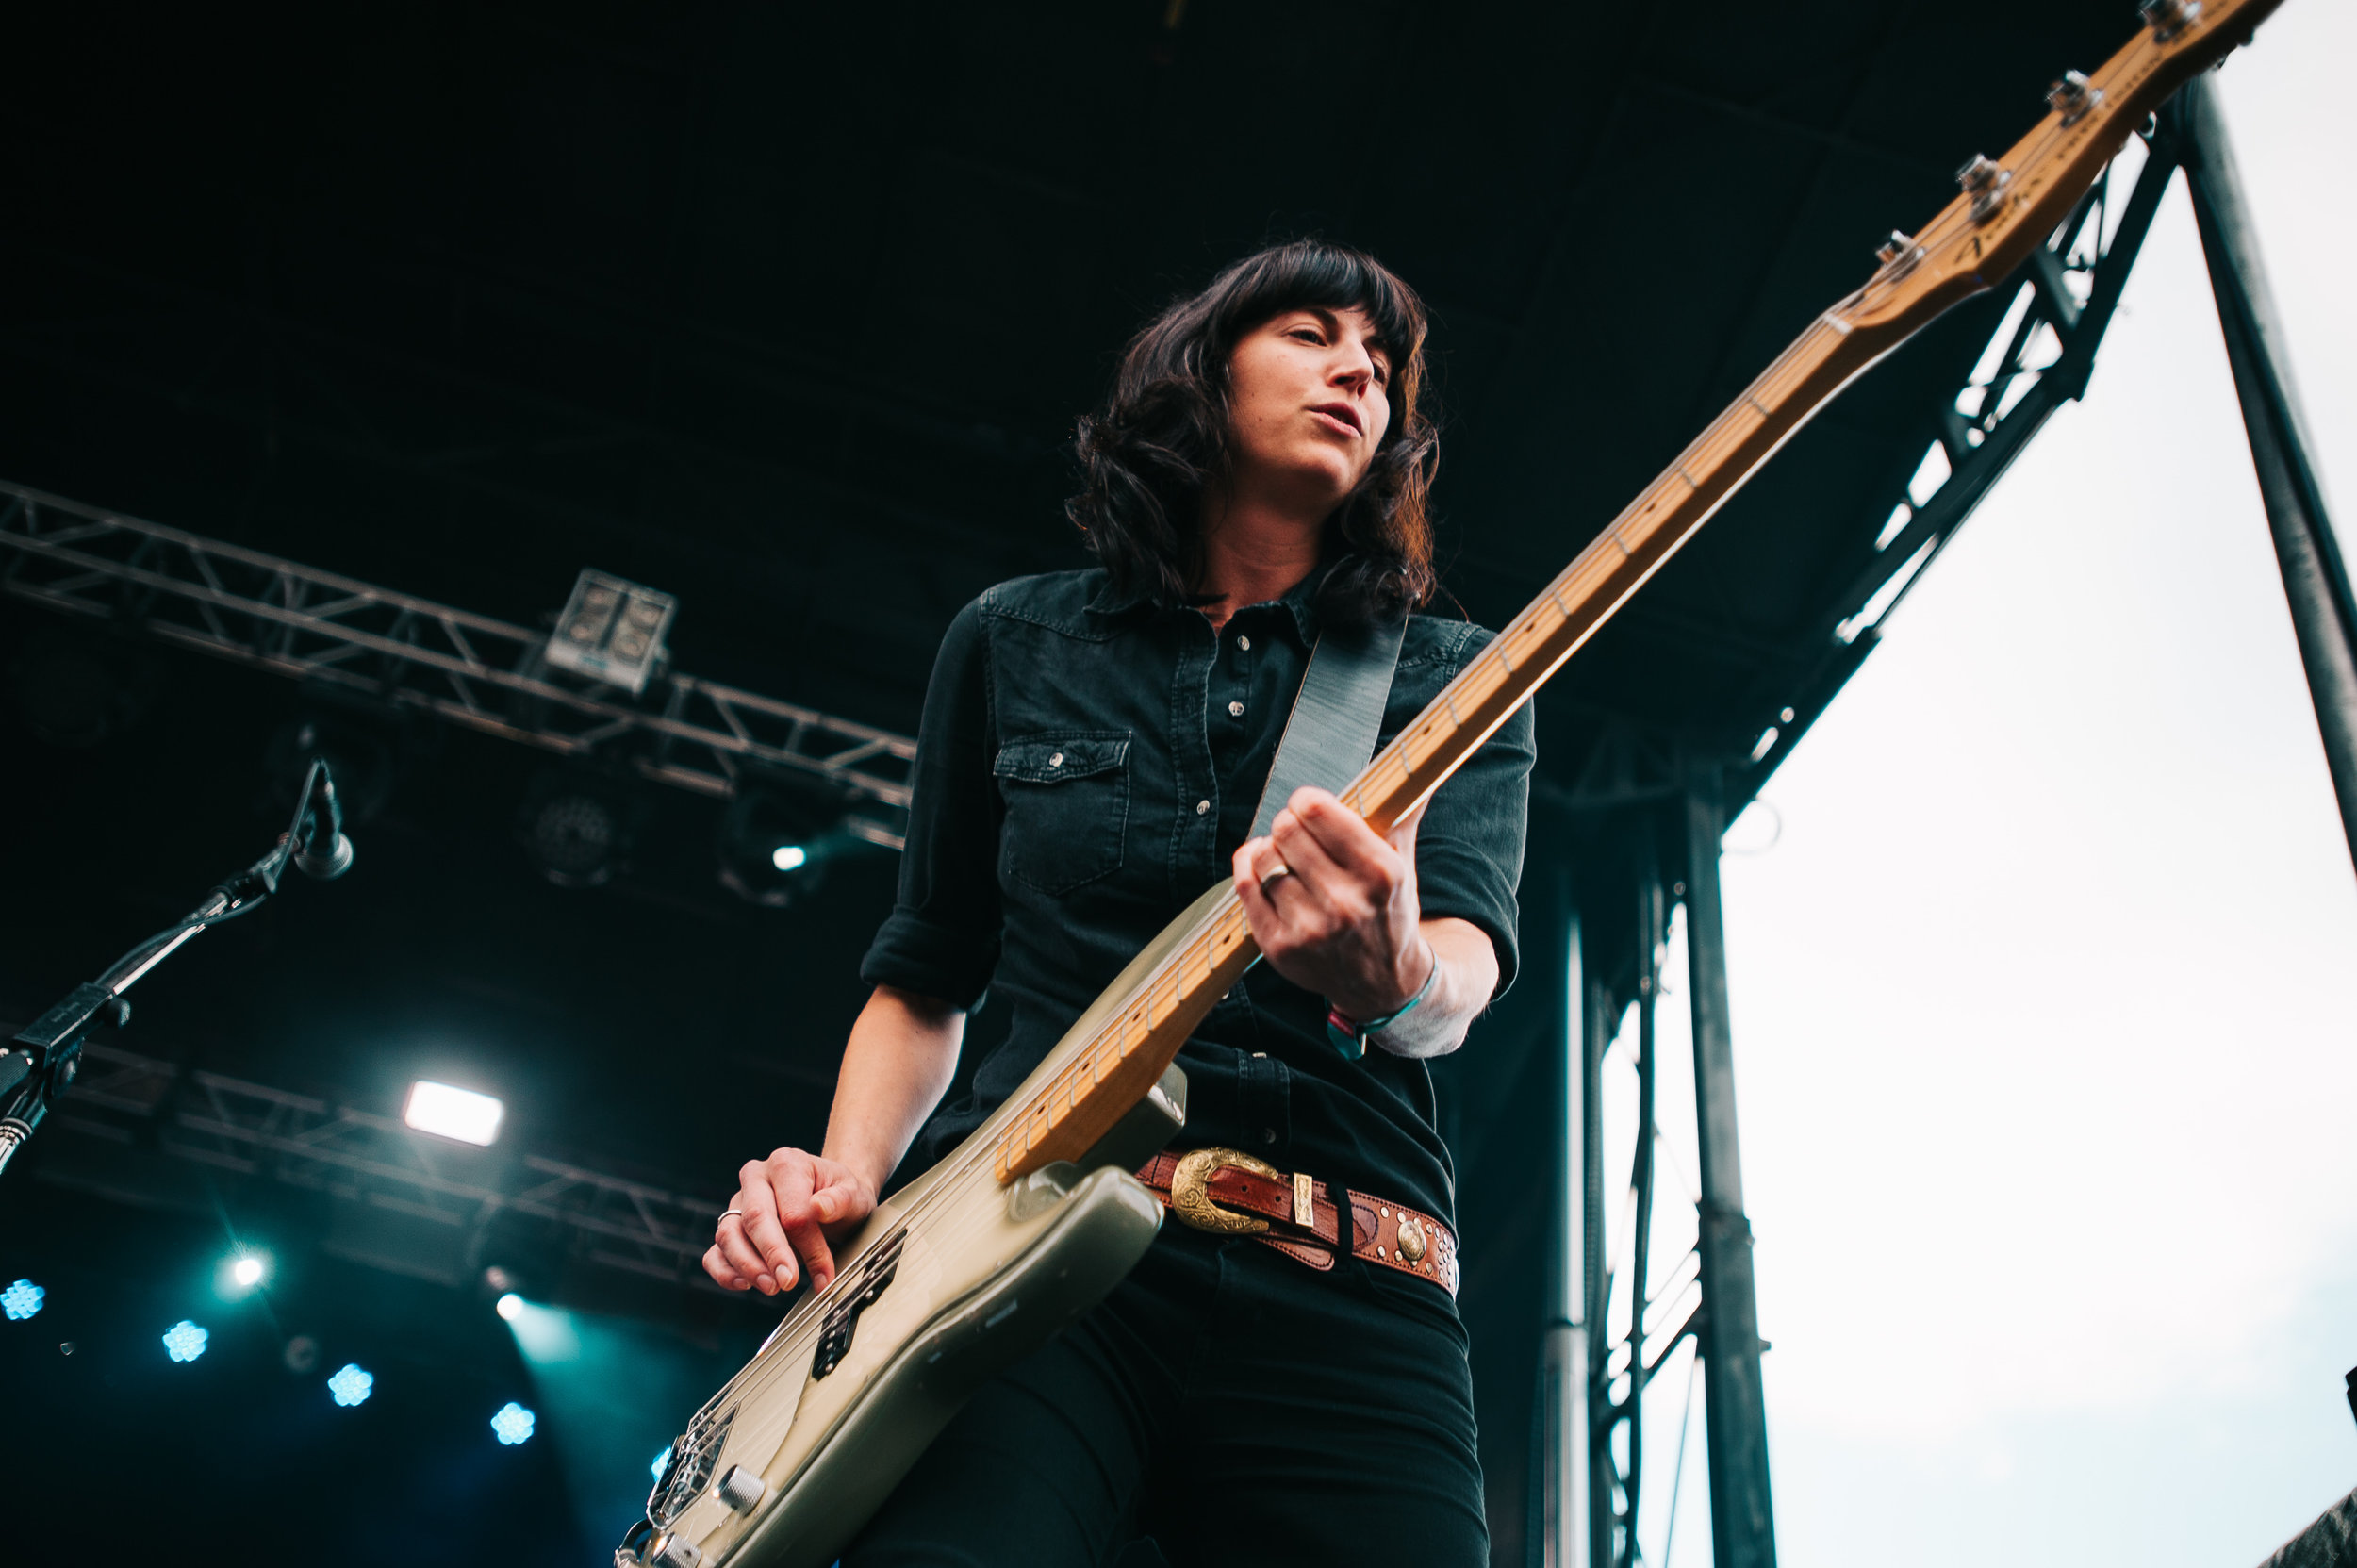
(1229, 1192)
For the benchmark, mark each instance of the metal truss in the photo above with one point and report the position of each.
(294, 620)
(459, 1193)
(2039, 359)
(1640, 1312)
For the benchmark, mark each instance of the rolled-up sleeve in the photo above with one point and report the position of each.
(942, 937)
(1469, 848)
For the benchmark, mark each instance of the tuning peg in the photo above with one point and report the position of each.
(1896, 246)
(2168, 18)
(2073, 97)
(1984, 181)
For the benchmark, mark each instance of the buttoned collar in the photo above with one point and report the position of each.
(1300, 602)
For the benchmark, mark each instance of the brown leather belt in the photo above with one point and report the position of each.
(1229, 1192)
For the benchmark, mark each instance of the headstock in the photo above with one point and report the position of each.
(2008, 205)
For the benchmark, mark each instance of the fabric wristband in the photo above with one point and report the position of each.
(1350, 1036)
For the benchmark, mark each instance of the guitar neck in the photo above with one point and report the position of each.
(2008, 208)
(1108, 1070)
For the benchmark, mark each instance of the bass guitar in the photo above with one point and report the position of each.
(1035, 1217)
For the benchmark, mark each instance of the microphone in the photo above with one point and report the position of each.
(326, 853)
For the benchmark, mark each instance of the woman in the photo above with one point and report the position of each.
(1092, 751)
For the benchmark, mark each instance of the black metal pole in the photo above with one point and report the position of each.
(1742, 1526)
(1596, 1296)
(2315, 580)
(1563, 1349)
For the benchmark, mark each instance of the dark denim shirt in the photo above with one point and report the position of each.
(1086, 765)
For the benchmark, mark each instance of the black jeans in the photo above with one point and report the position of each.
(1232, 1404)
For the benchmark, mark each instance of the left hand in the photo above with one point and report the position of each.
(1333, 904)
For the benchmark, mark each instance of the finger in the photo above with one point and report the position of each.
(842, 1199)
(740, 1256)
(811, 1242)
(1333, 888)
(1346, 839)
(1258, 908)
(764, 1234)
(790, 1185)
(718, 1266)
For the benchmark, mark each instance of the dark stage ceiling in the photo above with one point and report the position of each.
(788, 311)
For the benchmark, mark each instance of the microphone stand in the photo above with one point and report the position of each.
(46, 1054)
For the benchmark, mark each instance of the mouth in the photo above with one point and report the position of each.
(1342, 414)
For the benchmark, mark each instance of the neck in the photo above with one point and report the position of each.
(1252, 552)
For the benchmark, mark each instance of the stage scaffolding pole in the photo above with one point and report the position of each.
(1563, 1350)
(2315, 580)
(1742, 1524)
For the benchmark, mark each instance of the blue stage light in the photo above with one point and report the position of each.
(513, 1424)
(21, 1300)
(351, 1386)
(660, 1460)
(183, 1340)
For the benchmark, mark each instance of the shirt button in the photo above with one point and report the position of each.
(1235, 710)
(1056, 761)
(1268, 1135)
(1244, 644)
(1202, 806)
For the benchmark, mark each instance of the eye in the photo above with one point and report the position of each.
(1307, 334)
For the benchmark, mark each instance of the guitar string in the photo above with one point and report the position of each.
(1946, 225)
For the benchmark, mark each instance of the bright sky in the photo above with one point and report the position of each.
(2045, 1000)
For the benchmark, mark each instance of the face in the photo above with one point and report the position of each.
(1308, 405)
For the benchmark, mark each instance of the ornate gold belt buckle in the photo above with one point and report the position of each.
(1191, 1196)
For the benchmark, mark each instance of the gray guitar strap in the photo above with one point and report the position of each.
(1332, 729)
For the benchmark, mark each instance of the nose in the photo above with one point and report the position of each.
(1354, 370)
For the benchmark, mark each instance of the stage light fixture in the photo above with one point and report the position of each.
(351, 1385)
(22, 1300)
(578, 827)
(661, 1460)
(184, 1341)
(778, 835)
(449, 1112)
(612, 631)
(513, 1424)
(511, 1307)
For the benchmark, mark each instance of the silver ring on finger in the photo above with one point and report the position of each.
(733, 1213)
(1271, 879)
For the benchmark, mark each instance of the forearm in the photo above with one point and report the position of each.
(1466, 978)
(898, 1061)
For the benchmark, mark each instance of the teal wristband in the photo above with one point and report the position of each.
(1349, 1035)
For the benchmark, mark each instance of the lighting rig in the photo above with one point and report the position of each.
(599, 690)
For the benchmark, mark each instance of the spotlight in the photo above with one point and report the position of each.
(777, 836)
(513, 1424)
(578, 827)
(351, 1386)
(510, 1307)
(661, 1461)
(21, 1300)
(247, 1271)
(183, 1340)
(448, 1112)
(77, 691)
(612, 631)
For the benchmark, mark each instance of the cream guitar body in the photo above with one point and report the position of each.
(1035, 1217)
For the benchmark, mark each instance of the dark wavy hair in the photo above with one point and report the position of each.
(1161, 438)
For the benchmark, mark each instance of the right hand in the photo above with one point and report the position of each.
(793, 1204)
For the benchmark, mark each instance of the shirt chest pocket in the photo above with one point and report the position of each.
(1068, 800)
